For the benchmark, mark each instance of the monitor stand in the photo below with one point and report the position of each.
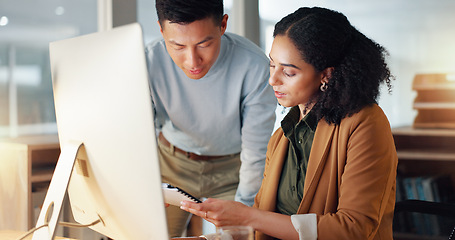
(52, 206)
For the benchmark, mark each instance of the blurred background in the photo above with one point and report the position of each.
(419, 35)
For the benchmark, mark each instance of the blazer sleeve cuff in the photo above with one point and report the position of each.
(306, 226)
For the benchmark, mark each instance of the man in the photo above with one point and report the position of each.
(214, 109)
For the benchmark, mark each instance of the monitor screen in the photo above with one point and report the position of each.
(102, 100)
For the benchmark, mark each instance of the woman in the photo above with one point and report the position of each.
(331, 167)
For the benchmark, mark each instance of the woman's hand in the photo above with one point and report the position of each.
(231, 213)
(220, 212)
(189, 238)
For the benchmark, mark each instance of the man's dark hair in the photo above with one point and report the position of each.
(188, 11)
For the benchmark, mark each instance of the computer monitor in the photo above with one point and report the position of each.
(106, 131)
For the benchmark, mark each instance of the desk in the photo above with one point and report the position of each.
(26, 164)
(13, 235)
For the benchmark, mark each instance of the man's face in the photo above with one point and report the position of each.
(194, 47)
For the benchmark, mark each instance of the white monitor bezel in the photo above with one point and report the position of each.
(102, 100)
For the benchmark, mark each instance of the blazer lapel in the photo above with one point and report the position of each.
(321, 145)
(268, 202)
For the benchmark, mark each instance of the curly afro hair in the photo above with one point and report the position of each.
(325, 38)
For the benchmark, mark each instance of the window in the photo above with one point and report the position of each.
(27, 27)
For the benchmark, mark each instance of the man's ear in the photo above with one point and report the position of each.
(224, 23)
(161, 29)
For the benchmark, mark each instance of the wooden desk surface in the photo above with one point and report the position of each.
(14, 235)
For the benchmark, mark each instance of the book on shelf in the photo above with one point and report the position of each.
(427, 185)
(410, 188)
(426, 188)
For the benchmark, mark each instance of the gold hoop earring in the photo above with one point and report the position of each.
(323, 87)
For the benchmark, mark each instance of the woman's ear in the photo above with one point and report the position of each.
(327, 74)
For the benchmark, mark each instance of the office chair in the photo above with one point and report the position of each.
(427, 207)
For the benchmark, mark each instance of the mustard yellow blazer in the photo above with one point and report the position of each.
(350, 179)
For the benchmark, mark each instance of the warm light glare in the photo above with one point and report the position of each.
(3, 21)
(451, 77)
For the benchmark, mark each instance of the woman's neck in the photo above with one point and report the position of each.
(305, 109)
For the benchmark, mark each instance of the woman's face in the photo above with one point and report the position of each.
(293, 80)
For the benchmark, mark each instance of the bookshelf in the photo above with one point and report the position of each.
(26, 168)
(425, 152)
(435, 101)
